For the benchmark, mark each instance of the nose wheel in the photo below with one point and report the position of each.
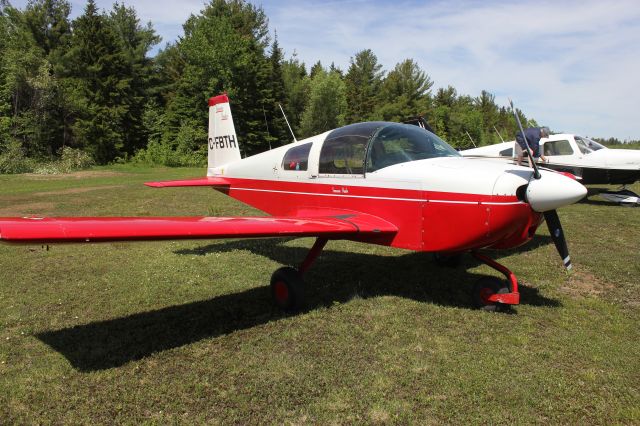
(484, 290)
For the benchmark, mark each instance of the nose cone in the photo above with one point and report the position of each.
(552, 191)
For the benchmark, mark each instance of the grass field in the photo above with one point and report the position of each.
(184, 332)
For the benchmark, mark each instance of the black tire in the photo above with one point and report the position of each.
(484, 288)
(287, 289)
(447, 260)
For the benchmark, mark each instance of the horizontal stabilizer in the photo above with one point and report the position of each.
(103, 229)
(206, 181)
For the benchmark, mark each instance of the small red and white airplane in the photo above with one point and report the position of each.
(374, 182)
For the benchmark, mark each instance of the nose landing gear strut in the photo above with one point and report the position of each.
(490, 293)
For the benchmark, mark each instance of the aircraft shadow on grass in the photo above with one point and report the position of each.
(336, 277)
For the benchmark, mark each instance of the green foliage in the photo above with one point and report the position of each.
(404, 93)
(82, 85)
(223, 50)
(75, 159)
(362, 84)
(189, 148)
(296, 85)
(90, 85)
(327, 104)
(276, 125)
(70, 160)
(161, 153)
(615, 141)
(13, 160)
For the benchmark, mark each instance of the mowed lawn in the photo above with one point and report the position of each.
(184, 332)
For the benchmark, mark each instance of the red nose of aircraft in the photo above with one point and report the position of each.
(553, 190)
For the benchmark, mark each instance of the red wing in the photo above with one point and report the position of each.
(99, 229)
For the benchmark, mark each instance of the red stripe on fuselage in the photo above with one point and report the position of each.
(427, 220)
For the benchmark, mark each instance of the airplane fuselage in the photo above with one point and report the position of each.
(445, 204)
(580, 156)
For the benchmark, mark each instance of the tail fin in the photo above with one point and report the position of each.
(223, 141)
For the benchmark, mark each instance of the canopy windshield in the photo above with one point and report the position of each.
(587, 145)
(401, 143)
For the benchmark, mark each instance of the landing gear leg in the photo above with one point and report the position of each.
(491, 294)
(287, 284)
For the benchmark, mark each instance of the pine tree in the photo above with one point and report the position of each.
(363, 83)
(278, 130)
(405, 92)
(488, 109)
(296, 84)
(223, 50)
(315, 69)
(48, 22)
(98, 65)
(135, 42)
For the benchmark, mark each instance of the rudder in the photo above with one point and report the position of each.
(223, 141)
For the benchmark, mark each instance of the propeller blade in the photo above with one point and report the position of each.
(536, 172)
(555, 229)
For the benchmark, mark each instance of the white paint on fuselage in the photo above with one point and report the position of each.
(442, 174)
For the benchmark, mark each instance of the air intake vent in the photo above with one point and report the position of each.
(521, 193)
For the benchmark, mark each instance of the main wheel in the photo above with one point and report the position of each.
(486, 287)
(287, 289)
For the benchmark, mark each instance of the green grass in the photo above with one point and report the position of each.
(184, 332)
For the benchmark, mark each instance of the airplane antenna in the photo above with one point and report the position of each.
(499, 135)
(536, 172)
(471, 139)
(266, 124)
(285, 119)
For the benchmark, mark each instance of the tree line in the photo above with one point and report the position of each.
(90, 85)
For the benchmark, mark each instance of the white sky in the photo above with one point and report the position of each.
(572, 65)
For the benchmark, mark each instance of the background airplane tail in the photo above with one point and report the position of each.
(223, 141)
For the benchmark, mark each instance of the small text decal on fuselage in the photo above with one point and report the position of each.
(226, 141)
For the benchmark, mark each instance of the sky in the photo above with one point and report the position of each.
(574, 66)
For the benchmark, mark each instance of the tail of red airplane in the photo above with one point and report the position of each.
(223, 141)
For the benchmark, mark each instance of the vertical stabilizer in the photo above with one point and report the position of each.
(223, 141)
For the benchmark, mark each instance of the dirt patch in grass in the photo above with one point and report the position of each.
(22, 209)
(76, 175)
(584, 284)
(76, 190)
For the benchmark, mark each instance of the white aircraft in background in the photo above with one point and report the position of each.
(589, 161)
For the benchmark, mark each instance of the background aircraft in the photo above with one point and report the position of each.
(375, 182)
(586, 159)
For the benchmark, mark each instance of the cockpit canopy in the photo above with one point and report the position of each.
(586, 145)
(371, 146)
